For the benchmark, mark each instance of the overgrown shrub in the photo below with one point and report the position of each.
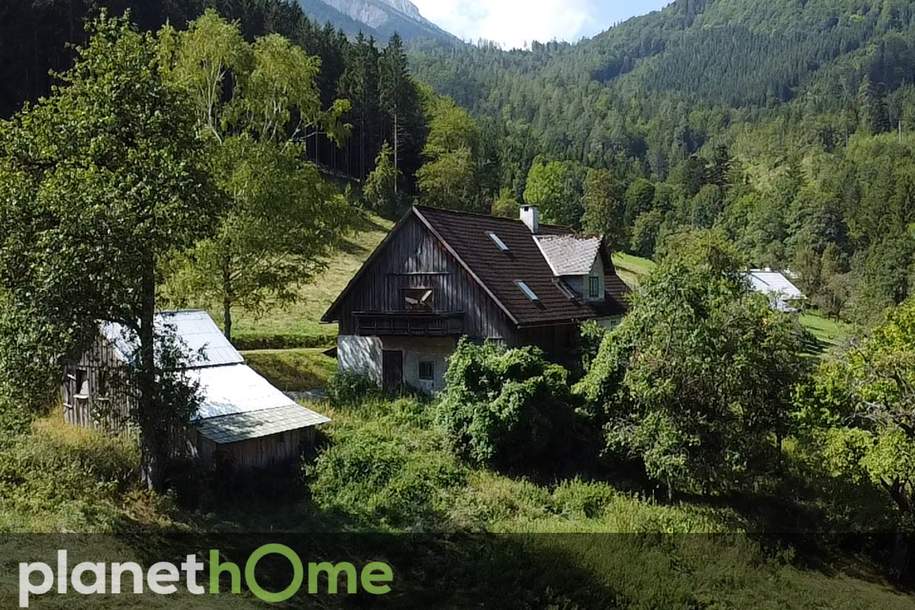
(504, 407)
(582, 499)
(697, 383)
(386, 473)
(66, 477)
(591, 336)
(14, 420)
(349, 389)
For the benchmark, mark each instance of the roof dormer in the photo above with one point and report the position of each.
(576, 261)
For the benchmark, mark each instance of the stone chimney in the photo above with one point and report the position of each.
(530, 215)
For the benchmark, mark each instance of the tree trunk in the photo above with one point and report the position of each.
(227, 300)
(152, 447)
(899, 565)
(362, 160)
(396, 151)
(227, 317)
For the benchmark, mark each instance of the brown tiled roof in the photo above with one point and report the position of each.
(466, 236)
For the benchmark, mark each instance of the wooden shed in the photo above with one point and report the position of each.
(243, 419)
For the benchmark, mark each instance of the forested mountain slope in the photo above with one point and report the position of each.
(738, 54)
(37, 37)
(787, 124)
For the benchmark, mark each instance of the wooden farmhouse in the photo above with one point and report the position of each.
(244, 421)
(442, 275)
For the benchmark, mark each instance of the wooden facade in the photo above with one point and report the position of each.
(417, 260)
(95, 391)
(257, 453)
(442, 275)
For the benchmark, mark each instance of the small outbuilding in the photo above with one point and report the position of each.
(243, 419)
(781, 291)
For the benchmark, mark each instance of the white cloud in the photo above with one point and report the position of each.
(517, 22)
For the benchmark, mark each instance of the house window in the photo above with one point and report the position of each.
(594, 287)
(418, 299)
(530, 294)
(498, 241)
(102, 382)
(82, 382)
(426, 370)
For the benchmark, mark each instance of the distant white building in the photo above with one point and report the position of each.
(782, 293)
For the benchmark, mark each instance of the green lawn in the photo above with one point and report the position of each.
(293, 370)
(830, 332)
(632, 269)
(298, 325)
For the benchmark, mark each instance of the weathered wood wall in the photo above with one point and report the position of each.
(107, 403)
(265, 452)
(416, 259)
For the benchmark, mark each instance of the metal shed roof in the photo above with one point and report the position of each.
(240, 405)
(229, 390)
(258, 424)
(206, 345)
(775, 284)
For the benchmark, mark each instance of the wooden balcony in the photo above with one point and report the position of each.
(409, 324)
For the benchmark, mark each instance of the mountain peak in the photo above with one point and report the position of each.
(379, 18)
(406, 7)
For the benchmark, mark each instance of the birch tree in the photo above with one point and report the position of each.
(258, 103)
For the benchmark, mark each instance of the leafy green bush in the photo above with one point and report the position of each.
(349, 389)
(386, 472)
(504, 407)
(698, 381)
(591, 336)
(14, 420)
(582, 499)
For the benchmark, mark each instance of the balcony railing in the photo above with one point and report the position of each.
(409, 324)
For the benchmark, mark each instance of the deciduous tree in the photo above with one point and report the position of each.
(282, 219)
(697, 382)
(98, 184)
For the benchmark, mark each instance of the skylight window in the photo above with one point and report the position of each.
(499, 243)
(528, 292)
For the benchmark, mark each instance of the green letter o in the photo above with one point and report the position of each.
(298, 573)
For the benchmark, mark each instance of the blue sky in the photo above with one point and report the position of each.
(516, 22)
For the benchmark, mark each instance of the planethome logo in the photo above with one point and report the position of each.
(164, 578)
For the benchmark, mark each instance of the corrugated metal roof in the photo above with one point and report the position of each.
(568, 254)
(238, 404)
(206, 344)
(229, 390)
(775, 284)
(258, 424)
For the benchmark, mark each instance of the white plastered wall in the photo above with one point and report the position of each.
(360, 356)
(423, 349)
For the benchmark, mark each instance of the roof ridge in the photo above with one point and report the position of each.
(491, 217)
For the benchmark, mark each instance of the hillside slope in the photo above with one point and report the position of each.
(732, 52)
